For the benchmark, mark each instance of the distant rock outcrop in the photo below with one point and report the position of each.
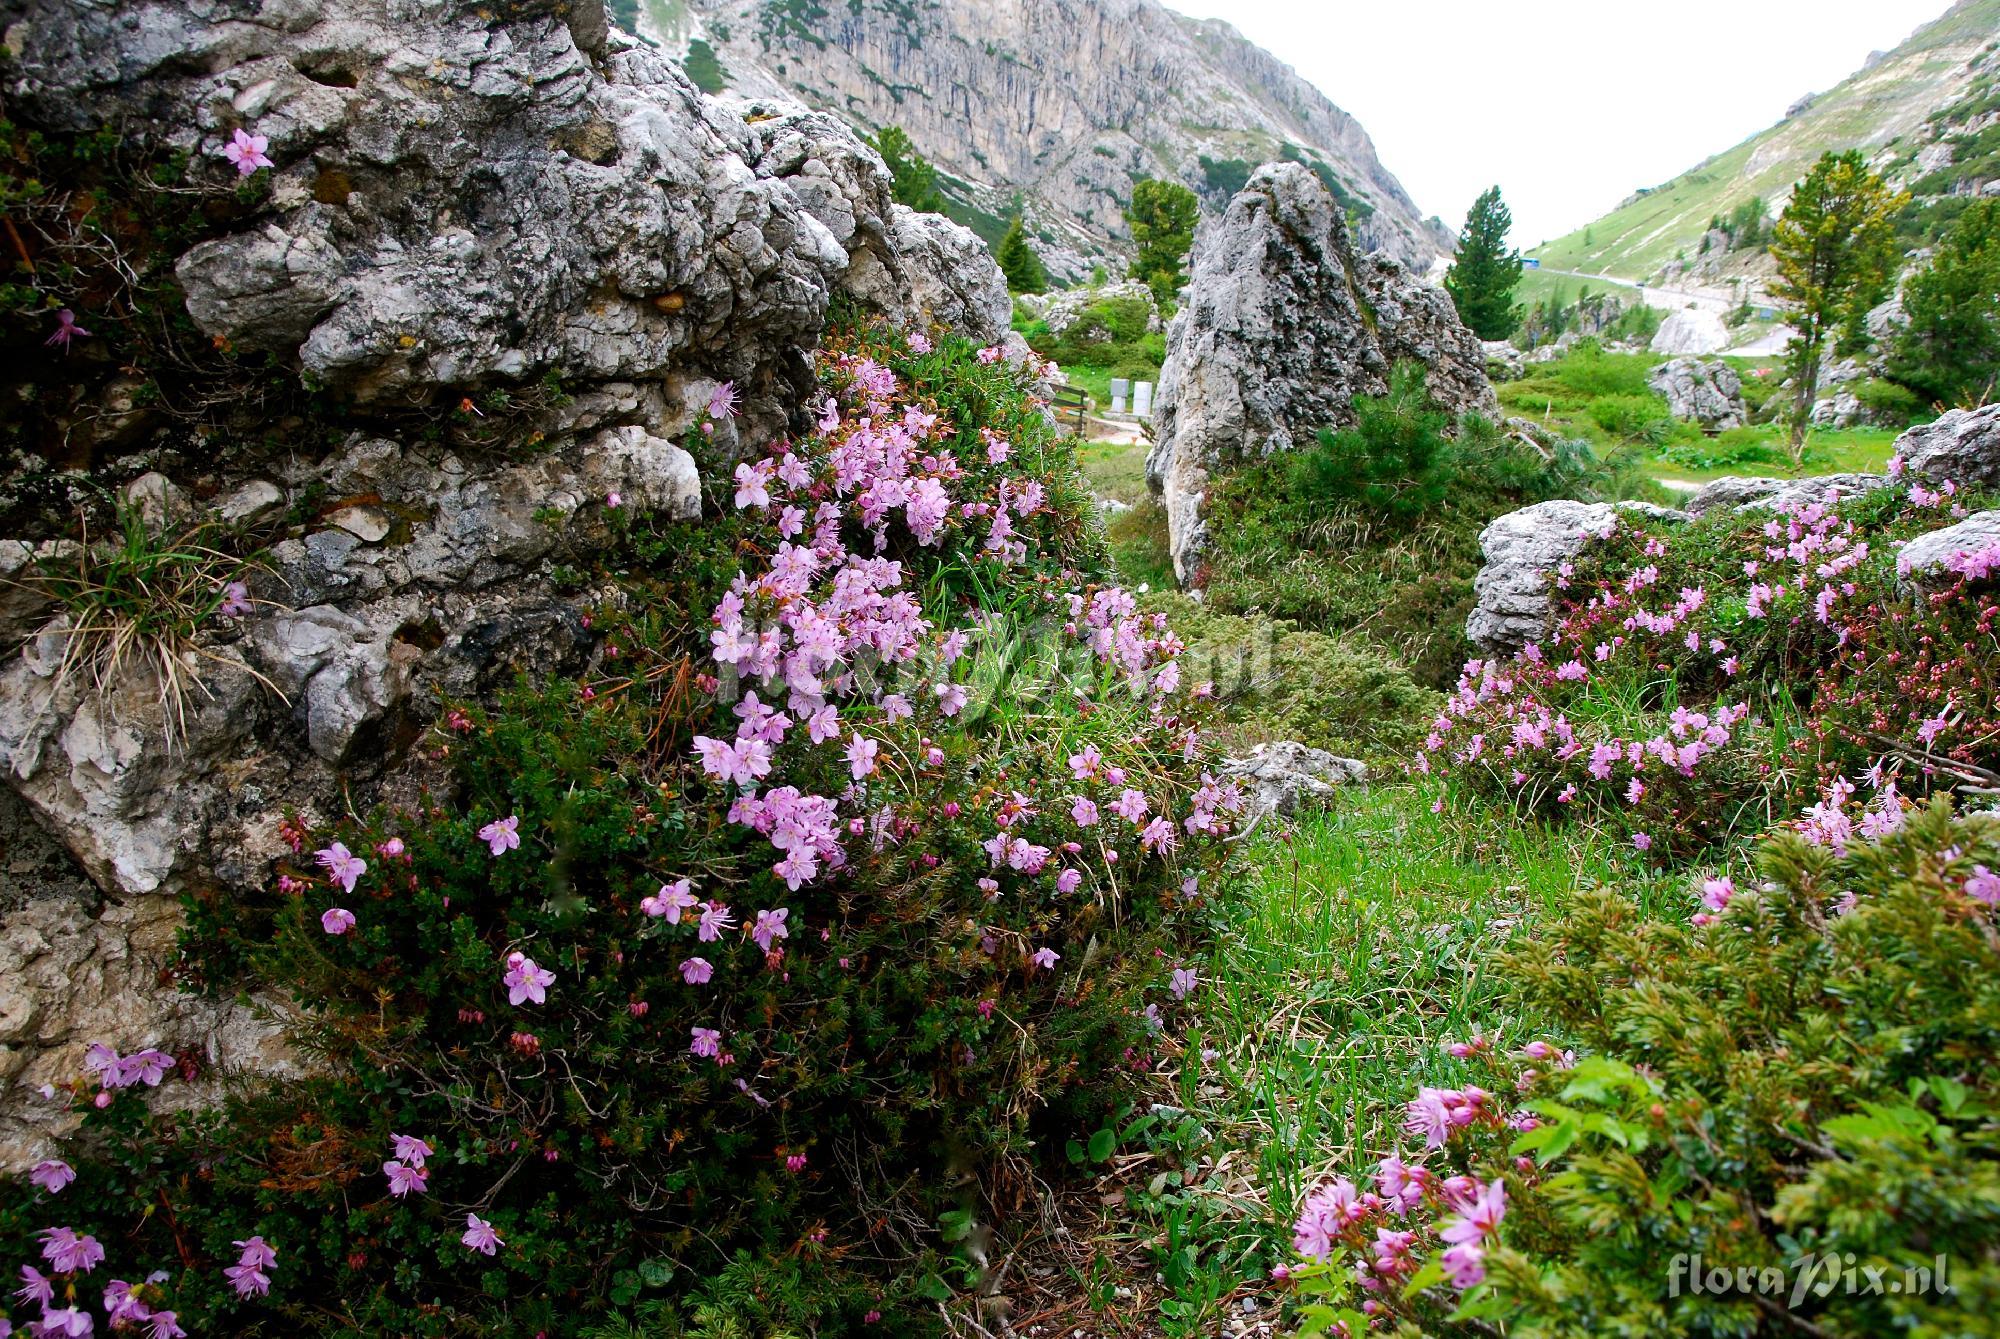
(1056, 106)
(1284, 326)
(1692, 330)
(1702, 391)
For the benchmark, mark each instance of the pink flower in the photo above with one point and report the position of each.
(64, 1323)
(1182, 982)
(1642, 841)
(1069, 881)
(1983, 886)
(35, 1286)
(795, 1163)
(951, 698)
(751, 487)
(247, 1274)
(697, 971)
(525, 981)
(1131, 805)
(164, 1325)
(1479, 1217)
(672, 899)
(715, 918)
(1715, 893)
(404, 1178)
(1464, 1266)
(502, 834)
(52, 1175)
(613, 501)
(342, 865)
(1084, 813)
(1045, 957)
(247, 152)
(69, 1253)
(770, 926)
(66, 330)
(861, 753)
(410, 1148)
(722, 400)
(480, 1236)
(235, 600)
(706, 1042)
(336, 920)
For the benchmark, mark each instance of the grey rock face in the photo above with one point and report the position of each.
(1063, 103)
(1284, 326)
(1059, 311)
(1963, 447)
(1693, 330)
(466, 197)
(1740, 493)
(1928, 559)
(1703, 391)
(1523, 549)
(1287, 777)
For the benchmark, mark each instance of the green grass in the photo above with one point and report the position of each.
(1116, 470)
(1354, 950)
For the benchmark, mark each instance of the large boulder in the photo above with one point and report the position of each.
(1938, 556)
(1283, 327)
(470, 204)
(1523, 551)
(1738, 493)
(1704, 391)
(1962, 447)
(1692, 330)
(1287, 778)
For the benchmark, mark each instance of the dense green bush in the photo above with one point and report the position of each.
(1108, 334)
(700, 1001)
(1635, 417)
(1791, 1099)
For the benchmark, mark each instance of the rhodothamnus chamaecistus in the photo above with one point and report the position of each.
(1707, 679)
(790, 901)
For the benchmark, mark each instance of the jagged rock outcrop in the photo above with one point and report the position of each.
(1285, 324)
(1057, 104)
(1962, 447)
(1523, 549)
(1705, 391)
(462, 202)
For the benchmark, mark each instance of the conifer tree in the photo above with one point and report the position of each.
(1162, 217)
(1019, 262)
(1483, 278)
(1834, 247)
(1949, 348)
(913, 179)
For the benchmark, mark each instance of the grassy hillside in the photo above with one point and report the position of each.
(1879, 110)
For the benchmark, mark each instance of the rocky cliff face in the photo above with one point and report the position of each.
(520, 254)
(1285, 324)
(1064, 102)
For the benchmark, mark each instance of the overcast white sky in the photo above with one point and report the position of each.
(1568, 105)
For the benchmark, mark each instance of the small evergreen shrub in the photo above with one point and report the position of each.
(1781, 1116)
(707, 984)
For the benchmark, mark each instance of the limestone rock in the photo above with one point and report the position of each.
(1692, 330)
(1287, 777)
(1740, 493)
(1504, 362)
(1283, 327)
(1963, 447)
(1703, 391)
(1059, 311)
(1522, 551)
(1928, 559)
(1056, 106)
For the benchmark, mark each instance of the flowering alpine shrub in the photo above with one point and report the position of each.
(1784, 1118)
(1707, 679)
(841, 881)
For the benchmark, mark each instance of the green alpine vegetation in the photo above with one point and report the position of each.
(1483, 278)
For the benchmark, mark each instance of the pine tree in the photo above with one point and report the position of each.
(1162, 217)
(1019, 262)
(1834, 247)
(914, 180)
(1949, 349)
(1483, 278)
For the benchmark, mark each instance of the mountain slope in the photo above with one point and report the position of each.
(1886, 109)
(1064, 103)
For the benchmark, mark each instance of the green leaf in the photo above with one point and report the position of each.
(1103, 1144)
(1429, 1276)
